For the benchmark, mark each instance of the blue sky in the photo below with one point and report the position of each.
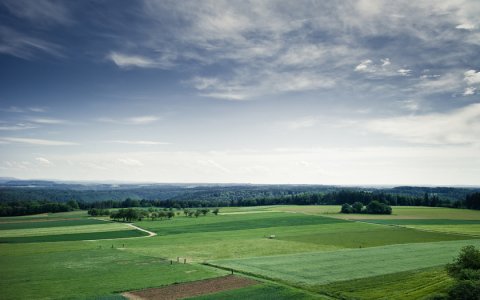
(327, 92)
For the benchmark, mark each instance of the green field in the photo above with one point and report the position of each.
(315, 253)
(325, 267)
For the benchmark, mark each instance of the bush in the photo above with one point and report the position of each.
(465, 290)
(346, 209)
(466, 270)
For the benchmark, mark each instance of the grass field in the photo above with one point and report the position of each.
(325, 267)
(403, 285)
(316, 253)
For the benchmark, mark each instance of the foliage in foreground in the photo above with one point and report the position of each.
(466, 270)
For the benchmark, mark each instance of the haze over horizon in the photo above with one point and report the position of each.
(303, 92)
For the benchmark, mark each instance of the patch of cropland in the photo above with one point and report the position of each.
(236, 222)
(189, 289)
(325, 267)
(34, 230)
(467, 227)
(24, 224)
(306, 251)
(262, 292)
(408, 285)
(87, 236)
(85, 271)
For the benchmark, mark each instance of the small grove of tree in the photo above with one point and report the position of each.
(216, 211)
(373, 207)
(129, 215)
(466, 271)
(96, 212)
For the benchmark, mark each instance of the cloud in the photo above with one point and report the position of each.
(306, 122)
(466, 26)
(130, 162)
(39, 142)
(18, 126)
(469, 91)
(411, 104)
(472, 77)
(365, 66)
(40, 11)
(149, 143)
(129, 61)
(461, 126)
(404, 72)
(47, 121)
(138, 120)
(26, 47)
(16, 109)
(43, 161)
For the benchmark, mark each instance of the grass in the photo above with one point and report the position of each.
(47, 224)
(45, 256)
(399, 212)
(424, 222)
(233, 222)
(103, 227)
(408, 285)
(86, 273)
(326, 267)
(74, 237)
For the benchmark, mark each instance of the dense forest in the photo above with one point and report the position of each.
(274, 197)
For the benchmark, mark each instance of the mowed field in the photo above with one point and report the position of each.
(315, 253)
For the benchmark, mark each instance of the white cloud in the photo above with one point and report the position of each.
(129, 61)
(461, 126)
(385, 62)
(365, 66)
(43, 161)
(47, 121)
(404, 72)
(411, 105)
(466, 26)
(472, 77)
(141, 120)
(469, 91)
(137, 120)
(306, 122)
(131, 162)
(40, 11)
(26, 47)
(151, 143)
(40, 142)
(18, 126)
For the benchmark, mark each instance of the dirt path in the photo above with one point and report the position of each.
(191, 289)
(150, 234)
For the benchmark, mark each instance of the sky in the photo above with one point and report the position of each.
(300, 92)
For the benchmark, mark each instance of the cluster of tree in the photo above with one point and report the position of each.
(97, 212)
(465, 270)
(374, 207)
(20, 208)
(134, 214)
(198, 212)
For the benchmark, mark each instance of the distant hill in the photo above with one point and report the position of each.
(41, 190)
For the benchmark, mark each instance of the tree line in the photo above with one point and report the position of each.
(374, 207)
(17, 208)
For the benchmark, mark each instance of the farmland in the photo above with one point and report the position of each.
(294, 252)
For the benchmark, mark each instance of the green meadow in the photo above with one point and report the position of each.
(296, 252)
